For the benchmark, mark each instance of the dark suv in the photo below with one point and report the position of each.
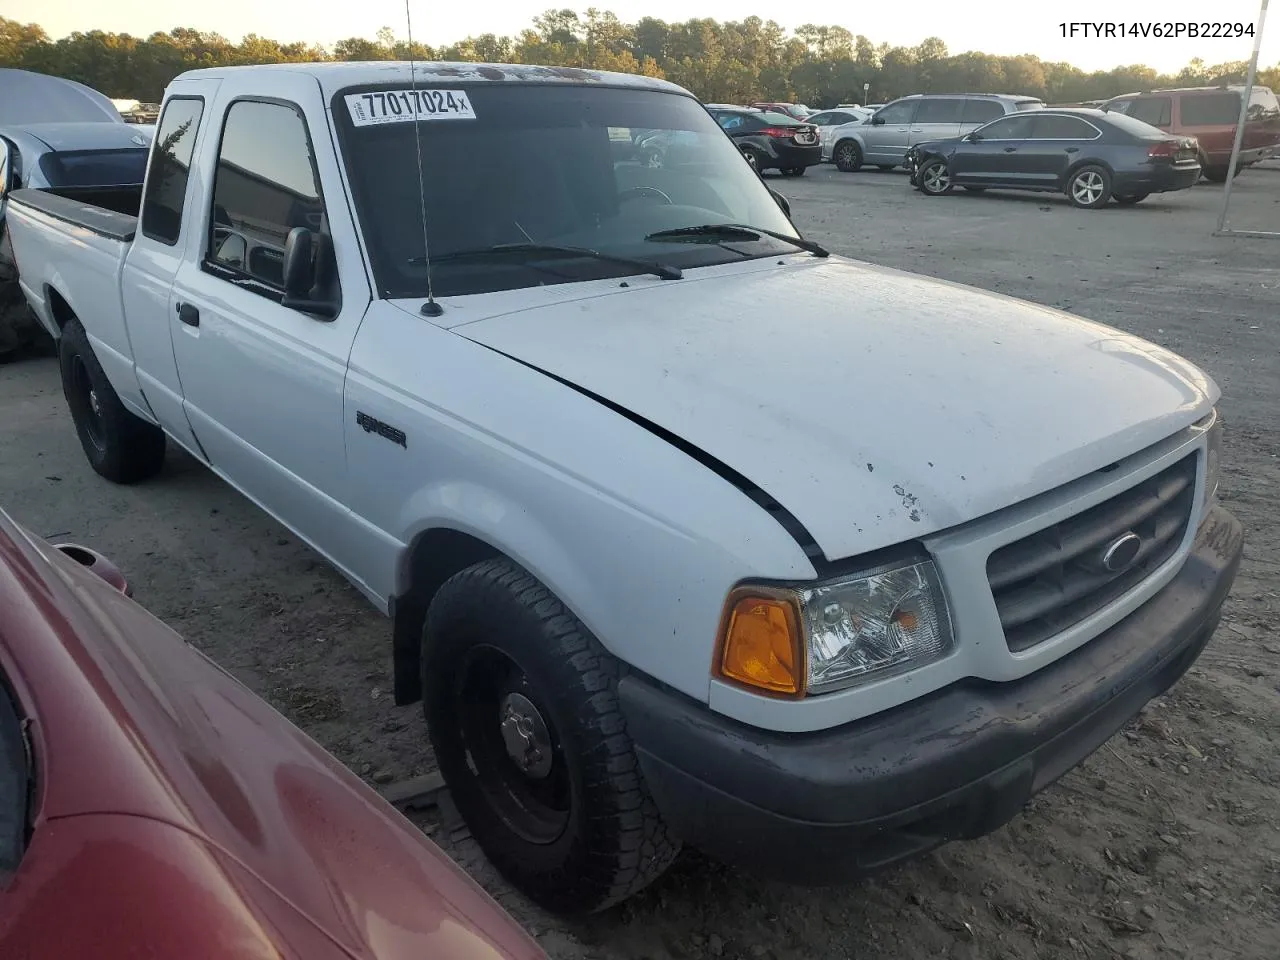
(1210, 114)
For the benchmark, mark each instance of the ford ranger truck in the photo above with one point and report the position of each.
(675, 552)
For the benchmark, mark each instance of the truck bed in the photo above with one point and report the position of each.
(70, 255)
(102, 210)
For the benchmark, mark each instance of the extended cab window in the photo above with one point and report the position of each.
(266, 184)
(170, 162)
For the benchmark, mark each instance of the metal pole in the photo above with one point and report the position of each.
(1244, 113)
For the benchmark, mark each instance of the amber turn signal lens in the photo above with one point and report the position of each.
(761, 645)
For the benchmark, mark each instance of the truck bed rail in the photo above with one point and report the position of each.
(106, 223)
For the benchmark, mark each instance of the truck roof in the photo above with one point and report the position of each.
(336, 76)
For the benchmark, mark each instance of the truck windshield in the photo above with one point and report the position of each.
(594, 167)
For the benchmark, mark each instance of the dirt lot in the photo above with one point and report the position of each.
(1166, 843)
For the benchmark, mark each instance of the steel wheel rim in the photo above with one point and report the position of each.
(500, 716)
(81, 384)
(1087, 187)
(751, 160)
(936, 178)
(846, 153)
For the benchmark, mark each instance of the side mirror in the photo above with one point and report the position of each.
(782, 202)
(877, 121)
(298, 269)
(98, 564)
(305, 269)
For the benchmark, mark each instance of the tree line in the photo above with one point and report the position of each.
(736, 62)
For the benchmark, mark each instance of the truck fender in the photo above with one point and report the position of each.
(461, 523)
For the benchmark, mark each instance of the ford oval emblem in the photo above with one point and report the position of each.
(1120, 552)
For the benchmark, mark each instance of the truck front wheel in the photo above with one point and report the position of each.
(119, 446)
(522, 707)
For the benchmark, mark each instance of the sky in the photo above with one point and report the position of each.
(1003, 27)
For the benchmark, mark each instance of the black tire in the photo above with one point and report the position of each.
(603, 839)
(975, 189)
(885, 167)
(1129, 199)
(934, 179)
(1218, 174)
(848, 156)
(1089, 187)
(119, 446)
(793, 172)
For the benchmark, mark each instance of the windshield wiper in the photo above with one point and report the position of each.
(736, 231)
(663, 270)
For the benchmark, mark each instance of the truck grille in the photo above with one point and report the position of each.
(1055, 578)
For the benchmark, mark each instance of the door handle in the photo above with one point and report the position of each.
(188, 315)
(1010, 149)
(1073, 149)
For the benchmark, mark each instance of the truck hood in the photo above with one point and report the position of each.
(877, 406)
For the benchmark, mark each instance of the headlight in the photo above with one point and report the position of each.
(855, 629)
(874, 625)
(1212, 425)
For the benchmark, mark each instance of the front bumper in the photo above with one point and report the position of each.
(833, 806)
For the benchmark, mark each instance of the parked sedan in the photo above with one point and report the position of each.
(1091, 156)
(151, 806)
(772, 141)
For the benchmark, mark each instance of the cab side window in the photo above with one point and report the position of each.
(265, 185)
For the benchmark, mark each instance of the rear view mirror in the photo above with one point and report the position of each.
(307, 272)
(783, 202)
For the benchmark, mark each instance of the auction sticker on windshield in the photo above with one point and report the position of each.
(403, 106)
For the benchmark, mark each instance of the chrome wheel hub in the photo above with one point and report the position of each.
(525, 735)
(94, 403)
(1087, 187)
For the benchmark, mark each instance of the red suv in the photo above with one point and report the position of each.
(1210, 114)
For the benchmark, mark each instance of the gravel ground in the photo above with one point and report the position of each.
(1163, 844)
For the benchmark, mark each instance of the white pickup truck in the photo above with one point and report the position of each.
(690, 532)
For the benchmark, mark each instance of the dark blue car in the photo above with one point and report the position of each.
(1089, 155)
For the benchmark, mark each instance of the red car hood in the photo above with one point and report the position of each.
(129, 719)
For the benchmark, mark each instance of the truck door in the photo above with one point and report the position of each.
(152, 262)
(263, 382)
